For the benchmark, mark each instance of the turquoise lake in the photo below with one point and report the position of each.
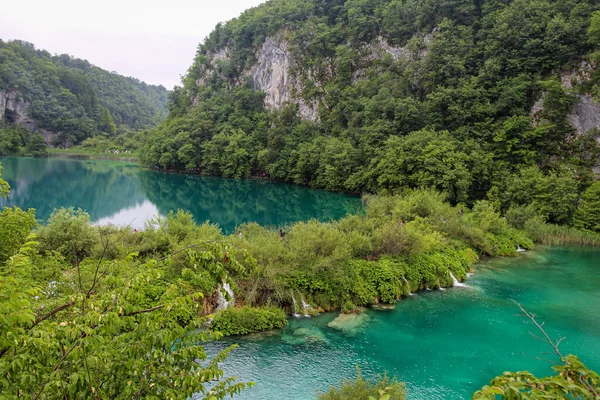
(123, 194)
(443, 344)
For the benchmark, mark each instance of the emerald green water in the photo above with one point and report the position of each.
(122, 194)
(444, 344)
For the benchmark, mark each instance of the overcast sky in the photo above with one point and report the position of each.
(154, 41)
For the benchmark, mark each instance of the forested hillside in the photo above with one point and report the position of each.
(67, 99)
(475, 98)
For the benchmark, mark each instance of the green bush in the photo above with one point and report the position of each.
(587, 216)
(364, 389)
(70, 233)
(15, 226)
(241, 321)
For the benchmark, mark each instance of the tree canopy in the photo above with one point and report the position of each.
(407, 94)
(73, 98)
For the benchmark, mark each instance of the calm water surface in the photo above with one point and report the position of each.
(119, 193)
(444, 344)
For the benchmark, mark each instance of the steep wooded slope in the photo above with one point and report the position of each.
(68, 99)
(470, 97)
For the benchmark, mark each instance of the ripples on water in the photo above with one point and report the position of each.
(444, 344)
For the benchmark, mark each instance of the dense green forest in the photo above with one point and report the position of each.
(69, 98)
(453, 113)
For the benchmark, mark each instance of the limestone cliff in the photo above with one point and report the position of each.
(14, 110)
(271, 74)
(273, 71)
(585, 114)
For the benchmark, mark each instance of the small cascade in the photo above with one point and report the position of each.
(456, 282)
(305, 307)
(440, 286)
(520, 249)
(223, 302)
(295, 314)
(407, 285)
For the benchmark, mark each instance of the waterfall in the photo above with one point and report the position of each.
(456, 282)
(305, 307)
(295, 314)
(223, 302)
(440, 286)
(407, 285)
(520, 249)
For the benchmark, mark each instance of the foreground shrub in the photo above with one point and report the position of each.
(70, 233)
(587, 216)
(354, 389)
(15, 225)
(241, 321)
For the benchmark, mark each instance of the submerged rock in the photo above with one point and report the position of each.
(260, 336)
(305, 335)
(349, 322)
(383, 306)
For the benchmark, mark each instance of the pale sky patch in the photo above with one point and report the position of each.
(154, 41)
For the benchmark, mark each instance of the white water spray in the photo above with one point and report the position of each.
(295, 314)
(223, 302)
(456, 282)
(520, 249)
(305, 307)
(407, 285)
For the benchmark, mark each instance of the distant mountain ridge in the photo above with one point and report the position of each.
(68, 99)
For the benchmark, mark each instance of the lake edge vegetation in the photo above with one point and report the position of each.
(69, 276)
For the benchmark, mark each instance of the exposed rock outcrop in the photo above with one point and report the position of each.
(585, 114)
(272, 75)
(14, 109)
(214, 59)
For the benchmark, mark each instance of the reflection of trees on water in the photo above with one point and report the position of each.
(105, 188)
(230, 202)
(101, 188)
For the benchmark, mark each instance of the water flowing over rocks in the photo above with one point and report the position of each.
(223, 303)
(455, 282)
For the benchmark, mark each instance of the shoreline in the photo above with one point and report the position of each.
(132, 157)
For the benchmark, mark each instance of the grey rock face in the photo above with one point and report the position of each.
(215, 58)
(585, 114)
(15, 109)
(271, 75)
(397, 53)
